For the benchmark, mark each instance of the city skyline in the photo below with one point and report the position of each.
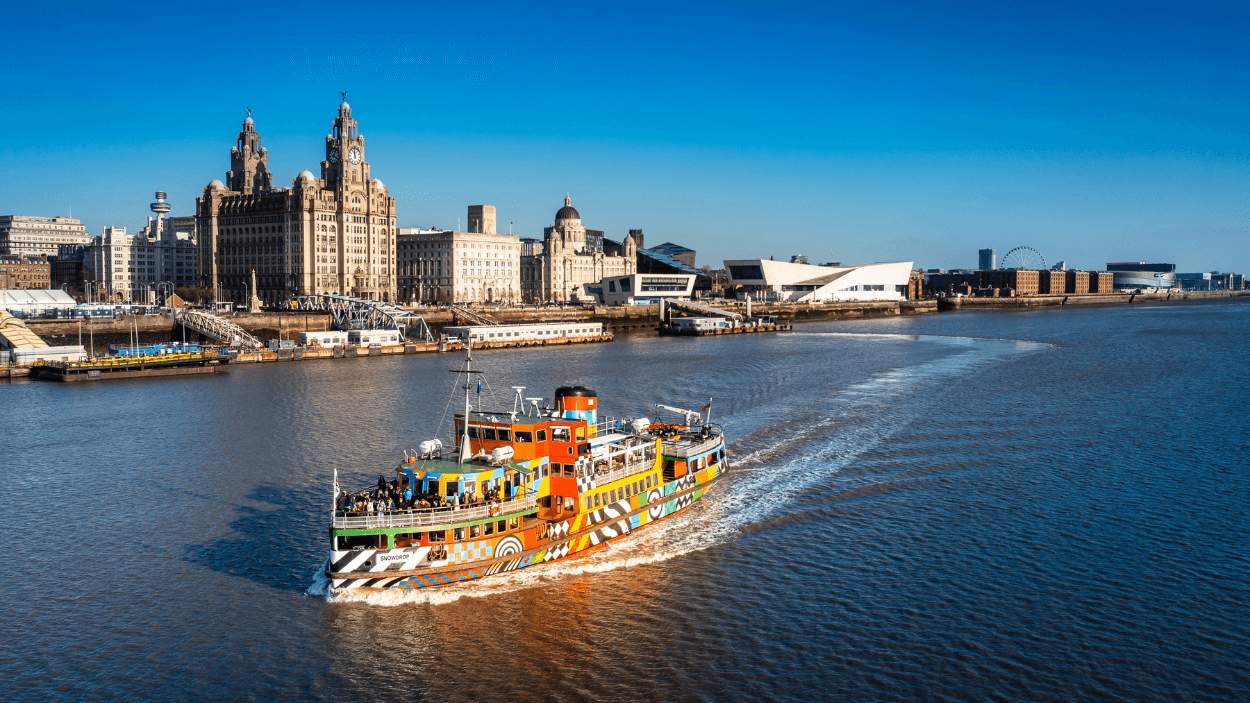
(865, 136)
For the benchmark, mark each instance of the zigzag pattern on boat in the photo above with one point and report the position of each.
(610, 511)
(378, 559)
(517, 491)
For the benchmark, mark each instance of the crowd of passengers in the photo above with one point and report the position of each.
(388, 497)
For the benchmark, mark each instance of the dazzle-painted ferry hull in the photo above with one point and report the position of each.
(469, 561)
(524, 487)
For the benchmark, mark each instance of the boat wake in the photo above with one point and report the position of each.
(823, 438)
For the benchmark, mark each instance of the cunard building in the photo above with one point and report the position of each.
(329, 234)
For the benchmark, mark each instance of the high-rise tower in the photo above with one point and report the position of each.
(986, 260)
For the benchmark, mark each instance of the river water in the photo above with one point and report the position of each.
(1041, 505)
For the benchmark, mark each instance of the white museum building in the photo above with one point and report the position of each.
(792, 282)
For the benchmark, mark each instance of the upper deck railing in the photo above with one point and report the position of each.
(622, 461)
(431, 517)
(687, 446)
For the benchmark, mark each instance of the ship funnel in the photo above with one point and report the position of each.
(578, 403)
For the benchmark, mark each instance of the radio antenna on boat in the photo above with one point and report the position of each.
(518, 404)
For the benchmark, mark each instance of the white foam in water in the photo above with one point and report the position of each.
(735, 503)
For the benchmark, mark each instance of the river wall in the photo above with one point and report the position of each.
(633, 320)
(1050, 301)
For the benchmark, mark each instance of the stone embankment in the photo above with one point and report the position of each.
(633, 319)
(1048, 301)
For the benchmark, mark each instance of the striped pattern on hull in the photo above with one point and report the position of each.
(618, 519)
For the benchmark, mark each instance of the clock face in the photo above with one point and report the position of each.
(354, 155)
(334, 157)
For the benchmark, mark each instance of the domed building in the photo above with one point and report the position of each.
(329, 234)
(571, 259)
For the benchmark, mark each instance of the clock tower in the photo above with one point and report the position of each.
(345, 167)
(330, 235)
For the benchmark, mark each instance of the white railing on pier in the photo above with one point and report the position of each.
(704, 309)
(432, 517)
(217, 328)
(474, 317)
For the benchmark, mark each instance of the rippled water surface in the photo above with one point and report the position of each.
(977, 506)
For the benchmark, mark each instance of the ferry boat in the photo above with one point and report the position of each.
(524, 486)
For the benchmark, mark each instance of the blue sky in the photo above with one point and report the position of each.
(843, 131)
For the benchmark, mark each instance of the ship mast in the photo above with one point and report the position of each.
(465, 451)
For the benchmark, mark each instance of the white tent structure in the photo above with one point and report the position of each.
(35, 301)
(808, 283)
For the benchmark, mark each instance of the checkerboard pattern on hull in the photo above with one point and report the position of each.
(529, 487)
(601, 526)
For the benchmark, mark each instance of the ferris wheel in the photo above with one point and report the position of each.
(1023, 257)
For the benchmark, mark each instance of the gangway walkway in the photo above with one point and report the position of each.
(703, 309)
(217, 328)
(473, 316)
(362, 314)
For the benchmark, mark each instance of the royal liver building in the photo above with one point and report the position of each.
(333, 234)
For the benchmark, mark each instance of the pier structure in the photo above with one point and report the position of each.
(351, 313)
(703, 319)
(217, 328)
(472, 316)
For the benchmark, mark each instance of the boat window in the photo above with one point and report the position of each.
(514, 523)
(670, 469)
(458, 534)
(587, 502)
(490, 528)
(488, 433)
(473, 433)
(598, 499)
(505, 435)
(407, 539)
(474, 531)
(347, 542)
(559, 434)
(453, 487)
(437, 535)
(502, 526)
(542, 435)
(568, 470)
(524, 437)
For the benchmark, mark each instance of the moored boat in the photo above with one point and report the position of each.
(523, 486)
